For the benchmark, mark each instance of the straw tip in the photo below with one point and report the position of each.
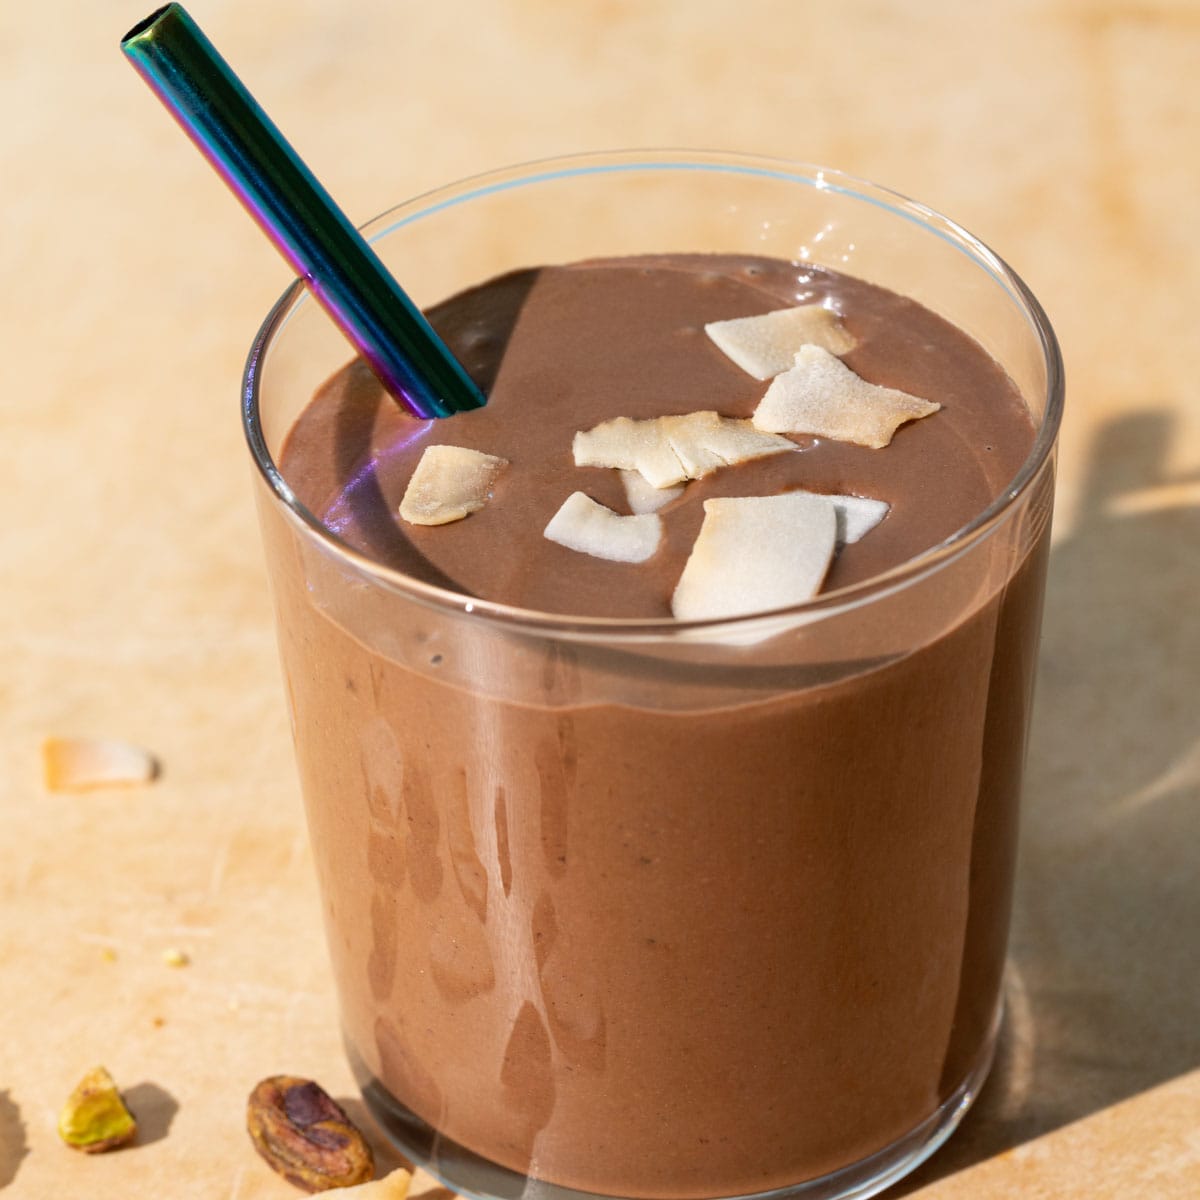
(147, 23)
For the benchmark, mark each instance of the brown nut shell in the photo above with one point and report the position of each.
(304, 1135)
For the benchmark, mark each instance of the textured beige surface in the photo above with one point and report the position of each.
(133, 600)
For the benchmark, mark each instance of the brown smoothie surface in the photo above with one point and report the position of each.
(560, 349)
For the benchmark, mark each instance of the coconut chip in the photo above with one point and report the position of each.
(81, 764)
(393, 1186)
(856, 515)
(450, 483)
(582, 524)
(669, 450)
(766, 345)
(756, 553)
(644, 497)
(820, 395)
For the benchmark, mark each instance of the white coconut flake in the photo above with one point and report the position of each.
(582, 524)
(755, 554)
(856, 515)
(630, 445)
(450, 483)
(80, 764)
(669, 450)
(820, 395)
(644, 497)
(393, 1186)
(766, 345)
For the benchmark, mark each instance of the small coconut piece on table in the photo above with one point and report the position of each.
(81, 764)
(393, 1186)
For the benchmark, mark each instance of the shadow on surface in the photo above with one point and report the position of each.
(154, 1108)
(13, 1146)
(1104, 971)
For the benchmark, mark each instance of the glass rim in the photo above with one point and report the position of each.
(825, 604)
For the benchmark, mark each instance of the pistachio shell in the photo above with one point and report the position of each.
(305, 1136)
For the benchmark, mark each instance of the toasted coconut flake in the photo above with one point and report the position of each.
(766, 345)
(644, 497)
(705, 441)
(393, 1186)
(856, 515)
(582, 524)
(669, 450)
(820, 395)
(756, 553)
(630, 445)
(450, 483)
(72, 764)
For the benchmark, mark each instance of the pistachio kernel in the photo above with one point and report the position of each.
(94, 1118)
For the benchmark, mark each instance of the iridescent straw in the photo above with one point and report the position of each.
(344, 274)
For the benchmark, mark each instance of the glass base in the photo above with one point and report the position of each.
(479, 1179)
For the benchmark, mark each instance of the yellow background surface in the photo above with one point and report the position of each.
(1065, 133)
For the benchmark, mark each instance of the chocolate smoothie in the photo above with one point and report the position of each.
(642, 916)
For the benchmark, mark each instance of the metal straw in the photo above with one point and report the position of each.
(344, 274)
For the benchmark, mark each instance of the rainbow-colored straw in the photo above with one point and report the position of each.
(344, 274)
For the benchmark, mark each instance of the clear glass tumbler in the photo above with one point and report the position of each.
(649, 909)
